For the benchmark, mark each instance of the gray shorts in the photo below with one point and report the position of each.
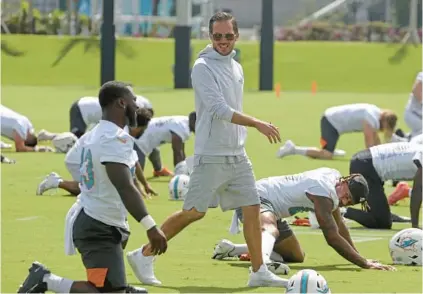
(77, 123)
(73, 169)
(101, 248)
(284, 229)
(230, 179)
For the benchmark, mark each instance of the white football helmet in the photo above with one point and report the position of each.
(406, 247)
(178, 187)
(63, 142)
(307, 281)
(181, 168)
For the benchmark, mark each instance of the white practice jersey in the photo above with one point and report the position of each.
(413, 105)
(418, 158)
(159, 131)
(417, 139)
(12, 121)
(91, 110)
(106, 142)
(394, 161)
(143, 102)
(288, 193)
(349, 118)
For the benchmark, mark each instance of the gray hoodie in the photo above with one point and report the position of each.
(218, 83)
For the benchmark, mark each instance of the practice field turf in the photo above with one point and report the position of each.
(33, 226)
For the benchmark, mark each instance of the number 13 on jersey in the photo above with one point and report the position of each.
(86, 169)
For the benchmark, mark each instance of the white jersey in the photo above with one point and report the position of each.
(349, 118)
(90, 110)
(394, 161)
(288, 193)
(413, 105)
(159, 131)
(104, 143)
(418, 158)
(143, 102)
(417, 139)
(12, 121)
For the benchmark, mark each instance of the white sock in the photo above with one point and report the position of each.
(301, 150)
(409, 192)
(239, 249)
(339, 153)
(57, 284)
(268, 242)
(276, 257)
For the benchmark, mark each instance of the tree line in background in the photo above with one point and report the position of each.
(336, 27)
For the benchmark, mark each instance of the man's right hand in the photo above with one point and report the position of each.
(269, 130)
(157, 240)
(372, 264)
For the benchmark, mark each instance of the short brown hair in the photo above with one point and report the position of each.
(391, 119)
(223, 16)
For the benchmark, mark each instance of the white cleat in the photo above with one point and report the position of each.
(143, 267)
(5, 145)
(44, 135)
(50, 182)
(339, 153)
(265, 278)
(278, 268)
(287, 149)
(223, 249)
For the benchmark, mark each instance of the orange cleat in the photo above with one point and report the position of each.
(163, 173)
(244, 257)
(400, 193)
(301, 222)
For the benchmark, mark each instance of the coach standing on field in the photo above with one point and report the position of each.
(221, 166)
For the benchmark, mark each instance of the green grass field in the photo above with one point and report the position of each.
(32, 226)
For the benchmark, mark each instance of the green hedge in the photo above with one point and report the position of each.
(342, 67)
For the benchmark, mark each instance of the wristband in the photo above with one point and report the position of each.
(147, 222)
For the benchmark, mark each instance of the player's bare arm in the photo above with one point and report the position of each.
(371, 138)
(20, 144)
(323, 210)
(267, 129)
(120, 176)
(342, 228)
(178, 148)
(139, 173)
(416, 198)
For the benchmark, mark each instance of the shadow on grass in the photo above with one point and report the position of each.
(204, 289)
(318, 268)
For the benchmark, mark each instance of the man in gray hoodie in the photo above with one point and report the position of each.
(221, 167)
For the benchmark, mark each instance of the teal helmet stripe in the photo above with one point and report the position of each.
(175, 188)
(304, 282)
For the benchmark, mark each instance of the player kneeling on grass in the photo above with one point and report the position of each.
(393, 161)
(18, 128)
(97, 223)
(73, 165)
(361, 117)
(322, 191)
(167, 129)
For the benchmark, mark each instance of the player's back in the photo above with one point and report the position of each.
(12, 121)
(106, 142)
(394, 161)
(160, 129)
(350, 117)
(288, 193)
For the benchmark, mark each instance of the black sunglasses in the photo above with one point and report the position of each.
(219, 36)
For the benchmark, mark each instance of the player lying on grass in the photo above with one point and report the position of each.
(18, 128)
(167, 129)
(73, 165)
(360, 117)
(322, 191)
(97, 224)
(393, 161)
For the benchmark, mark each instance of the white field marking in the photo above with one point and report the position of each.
(27, 218)
(355, 238)
(365, 239)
